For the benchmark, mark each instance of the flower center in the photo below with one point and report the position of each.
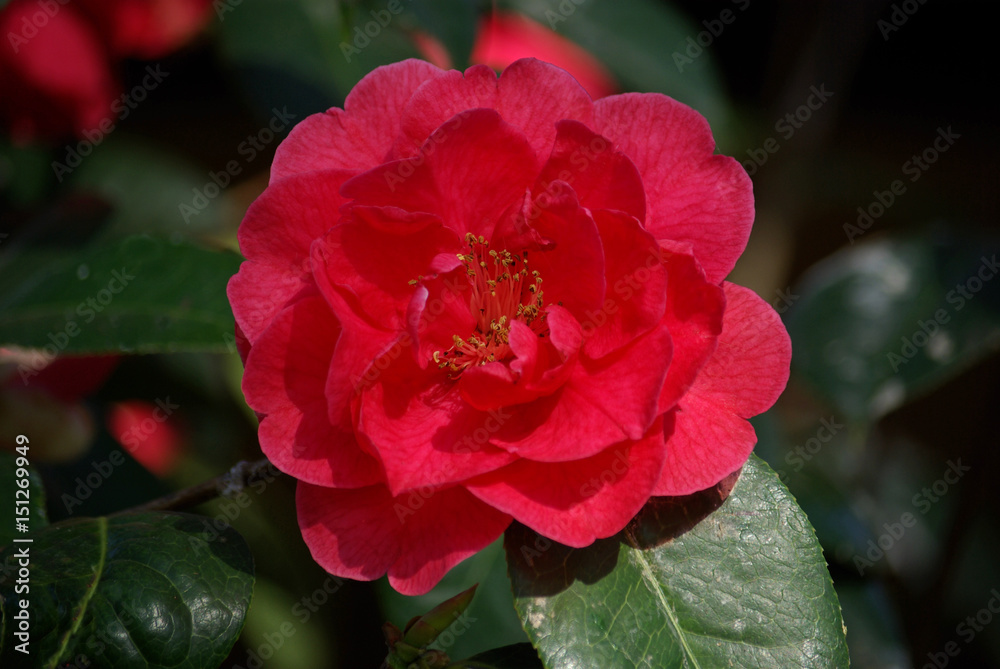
(504, 290)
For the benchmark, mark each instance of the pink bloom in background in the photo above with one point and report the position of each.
(55, 78)
(470, 299)
(146, 432)
(58, 60)
(505, 37)
(148, 28)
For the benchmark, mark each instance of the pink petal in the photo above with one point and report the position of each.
(743, 378)
(694, 315)
(459, 175)
(601, 177)
(439, 311)
(572, 264)
(281, 224)
(373, 254)
(538, 369)
(604, 402)
(579, 501)
(424, 432)
(691, 194)
(275, 237)
(284, 380)
(416, 538)
(531, 95)
(359, 136)
(635, 298)
(359, 357)
(259, 292)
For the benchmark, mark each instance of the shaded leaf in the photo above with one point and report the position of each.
(518, 656)
(139, 295)
(884, 321)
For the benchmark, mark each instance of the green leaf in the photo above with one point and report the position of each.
(323, 51)
(148, 186)
(517, 656)
(144, 590)
(422, 631)
(746, 586)
(139, 295)
(491, 616)
(31, 497)
(881, 322)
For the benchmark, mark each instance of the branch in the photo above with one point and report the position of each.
(225, 485)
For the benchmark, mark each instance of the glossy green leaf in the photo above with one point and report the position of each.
(743, 585)
(144, 590)
(883, 321)
(30, 497)
(138, 295)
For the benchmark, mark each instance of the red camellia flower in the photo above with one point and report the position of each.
(470, 299)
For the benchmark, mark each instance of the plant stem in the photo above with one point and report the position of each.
(225, 485)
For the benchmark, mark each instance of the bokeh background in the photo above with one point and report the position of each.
(871, 137)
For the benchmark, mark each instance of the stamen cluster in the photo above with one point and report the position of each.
(503, 290)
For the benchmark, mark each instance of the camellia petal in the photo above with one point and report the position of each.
(604, 402)
(577, 502)
(692, 195)
(459, 176)
(417, 538)
(285, 381)
(532, 95)
(426, 434)
(360, 135)
(744, 377)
